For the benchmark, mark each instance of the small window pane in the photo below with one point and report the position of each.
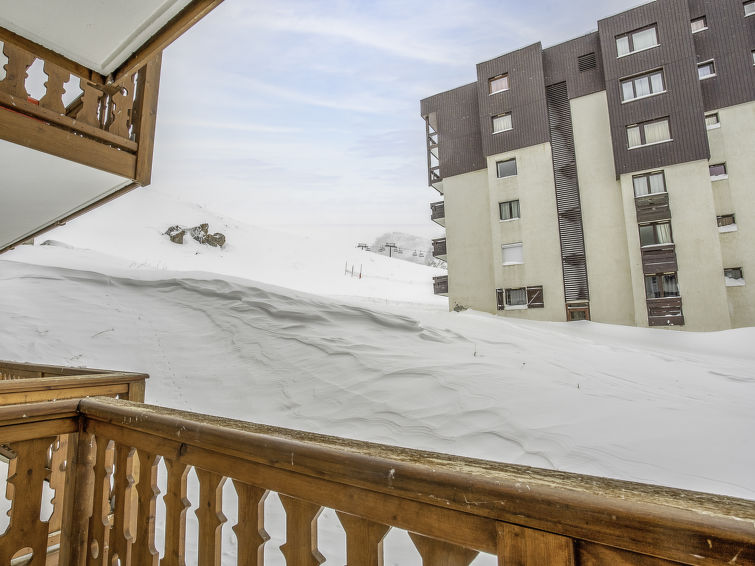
(652, 289)
(516, 297)
(647, 236)
(733, 272)
(640, 186)
(512, 254)
(725, 220)
(699, 24)
(509, 209)
(633, 136)
(502, 123)
(627, 90)
(622, 45)
(657, 183)
(711, 120)
(644, 39)
(749, 8)
(506, 168)
(657, 132)
(498, 84)
(706, 70)
(670, 288)
(663, 233)
(656, 80)
(717, 170)
(642, 86)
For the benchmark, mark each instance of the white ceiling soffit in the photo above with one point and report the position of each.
(99, 34)
(38, 189)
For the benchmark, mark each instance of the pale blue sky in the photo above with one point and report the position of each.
(297, 112)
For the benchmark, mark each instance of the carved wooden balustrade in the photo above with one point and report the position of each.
(453, 508)
(109, 125)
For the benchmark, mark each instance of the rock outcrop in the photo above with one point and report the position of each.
(200, 233)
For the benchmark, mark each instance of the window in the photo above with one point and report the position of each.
(648, 133)
(509, 209)
(502, 122)
(498, 84)
(512, 254)
(749, 8)
(699, 24)
(661, 285)
(649, 183)
(641, 86)
(654, 234)
(587, 62)
(522, 297)
(726, 220)
(718, 171)
(706, 70)
(637, 41)
(506, 168)
(712, 121)
(733, 273)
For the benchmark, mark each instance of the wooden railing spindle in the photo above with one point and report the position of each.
(25, 529)
(121, 102)
(56, 78)
(300, 548)
(19, 61)
(210, 514)
(144, 551)
(440, 553)
(176, 505)
(99, 523)
(250, 528)
(364, 540)
(121, 539)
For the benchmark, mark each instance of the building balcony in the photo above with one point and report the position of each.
(660, 258)
(653, 207)
(439, 249)
(438, 212)
(666, 311)
(440, 285)
(105, 457)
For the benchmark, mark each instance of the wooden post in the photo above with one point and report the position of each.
(520, 546)
(79, 500)
(145, 118)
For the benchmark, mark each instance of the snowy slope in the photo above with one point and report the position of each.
(629, 403)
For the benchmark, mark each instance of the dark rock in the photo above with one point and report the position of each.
(176, 234)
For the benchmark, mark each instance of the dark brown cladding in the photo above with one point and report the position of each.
(457, 120)
(525, 99)
(728, 41)
(561, 64)
(682, 102)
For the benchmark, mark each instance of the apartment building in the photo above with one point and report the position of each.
(610, 177)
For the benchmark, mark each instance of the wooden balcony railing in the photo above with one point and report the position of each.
(438, 212)
(440, 285)
(659, 259)
(652, 207)
(453, 508)
(439, 248)
(109, 126)
(29, 383)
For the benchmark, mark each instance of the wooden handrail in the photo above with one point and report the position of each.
(466, 502)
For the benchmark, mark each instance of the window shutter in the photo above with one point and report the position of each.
(535, 297)
(587, 62)
(499, 299)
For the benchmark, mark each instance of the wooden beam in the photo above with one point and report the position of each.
(146, 119)
(42, 136)
(185, 19)
(48, 55)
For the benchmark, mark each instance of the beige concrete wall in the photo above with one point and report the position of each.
(698, 253)
(734, 143)
(537, 230)
(470, 271)
(603, 219)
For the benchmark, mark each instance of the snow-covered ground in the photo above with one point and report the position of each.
(232, 332)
